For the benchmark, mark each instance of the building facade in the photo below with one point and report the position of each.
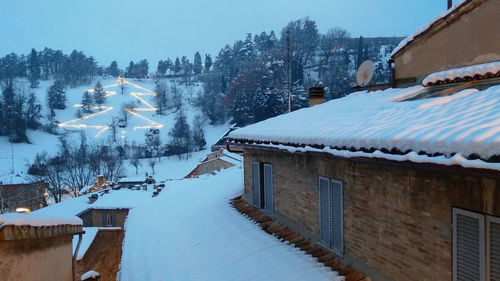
(462, 37)
(393, 220)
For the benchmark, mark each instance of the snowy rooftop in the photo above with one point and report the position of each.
(14, 179)
(466, 123)
(191, 232)
(36, 219)
(474, 71)
(426, 27)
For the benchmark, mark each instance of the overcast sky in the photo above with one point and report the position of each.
(125, 30)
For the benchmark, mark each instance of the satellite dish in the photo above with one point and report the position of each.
(365, 73)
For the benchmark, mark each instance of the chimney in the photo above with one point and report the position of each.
(450, 3)
(316, 96)
(100, 181)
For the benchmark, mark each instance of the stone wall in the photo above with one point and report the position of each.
(397, 218)
(36, 259)
(103, 255)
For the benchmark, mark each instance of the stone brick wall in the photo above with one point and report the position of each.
(103, 255)
(397, 219)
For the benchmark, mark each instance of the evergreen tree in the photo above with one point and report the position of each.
(162, 67)
(56, 96)
(33, 115)
(198, 133)
(113, 69)
(161, 98)
(99, 94)
(14, 125)
(34, 69)
(197, 63)
(208, 62)
(129, 72)
(87, 102)
(177, 66)
(180, 136)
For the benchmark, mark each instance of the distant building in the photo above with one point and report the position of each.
(461, 37)
(17, 192)
(103, 217)
(131, 182)
(215, 161)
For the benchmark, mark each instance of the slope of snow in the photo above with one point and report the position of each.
(38, 219)
(467, 122)
(192, 233)
(24, 153)
(87, 239)
(469, 71)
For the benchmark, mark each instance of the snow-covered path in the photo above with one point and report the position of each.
(191, 232)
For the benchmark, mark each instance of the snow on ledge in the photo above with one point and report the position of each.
(469, 71)
(457, 159)
(90, 274)
(34, 219)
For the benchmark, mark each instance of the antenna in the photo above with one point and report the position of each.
(12, 156)
(365, 73)
(289, 69)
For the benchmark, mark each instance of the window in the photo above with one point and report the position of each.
(476, 246)
(331, 217)
(263, 187)
(108, 219)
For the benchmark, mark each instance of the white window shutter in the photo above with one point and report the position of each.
(268, 189)
(337, 212)
(324, 211)
(493, 248)
(256, 184)
(468, 246)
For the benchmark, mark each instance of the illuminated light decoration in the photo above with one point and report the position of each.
(105, 109)
(23, 210)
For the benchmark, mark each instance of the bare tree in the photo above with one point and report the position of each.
(136, 160)
(151, 164)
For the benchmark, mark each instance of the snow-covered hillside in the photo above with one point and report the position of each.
(97, 124)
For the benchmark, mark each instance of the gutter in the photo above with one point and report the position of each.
(386, 162)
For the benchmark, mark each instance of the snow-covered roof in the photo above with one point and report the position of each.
(130, 179)
(474, 71)
(36, 219)
(14, 179)
(428, 26)
(115, 199)
(465, 123)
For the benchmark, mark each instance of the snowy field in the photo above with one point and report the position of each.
(94, 126)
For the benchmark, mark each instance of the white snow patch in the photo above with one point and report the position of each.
(191, 232)
(90, 274)
(87, 239)
(36, 219)
(469, 71)
(467, 123)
